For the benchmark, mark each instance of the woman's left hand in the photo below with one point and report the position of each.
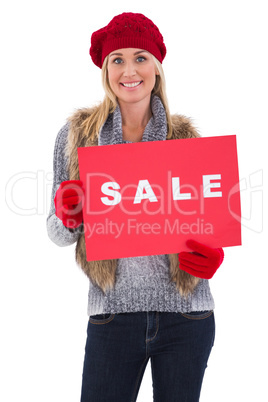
(203, 262)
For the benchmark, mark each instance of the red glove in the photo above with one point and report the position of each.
(68, 203)
(203, 262)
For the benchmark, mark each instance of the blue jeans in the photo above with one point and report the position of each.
(119, 346)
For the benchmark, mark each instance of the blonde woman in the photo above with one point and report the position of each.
(156, 307)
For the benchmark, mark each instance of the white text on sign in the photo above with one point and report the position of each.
(145, 191)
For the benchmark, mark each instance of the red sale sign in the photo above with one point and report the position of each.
(148, 198)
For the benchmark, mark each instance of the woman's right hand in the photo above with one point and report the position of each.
(68, 202)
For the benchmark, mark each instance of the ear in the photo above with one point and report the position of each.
(156, 69)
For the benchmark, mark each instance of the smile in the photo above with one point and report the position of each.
(131, 84)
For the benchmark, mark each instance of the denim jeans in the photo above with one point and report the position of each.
(119, 346)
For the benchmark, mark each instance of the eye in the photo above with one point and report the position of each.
(118, 60)
(140, 59)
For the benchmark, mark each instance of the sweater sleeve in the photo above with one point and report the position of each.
(57, 232)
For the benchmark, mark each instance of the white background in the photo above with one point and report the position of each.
(216, 70)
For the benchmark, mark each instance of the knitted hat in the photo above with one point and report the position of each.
(124, 31)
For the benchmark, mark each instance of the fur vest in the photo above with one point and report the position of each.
(103, 273)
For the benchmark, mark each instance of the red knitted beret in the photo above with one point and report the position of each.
(124, 31)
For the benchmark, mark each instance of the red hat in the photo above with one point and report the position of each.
(124, 31)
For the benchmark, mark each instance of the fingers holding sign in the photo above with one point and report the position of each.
(203, 262)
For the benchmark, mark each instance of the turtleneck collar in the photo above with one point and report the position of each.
(156, 129)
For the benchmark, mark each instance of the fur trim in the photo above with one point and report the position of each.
(182, 127)
(103, 273)
(185, 282)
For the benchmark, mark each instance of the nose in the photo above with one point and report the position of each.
(129, 69)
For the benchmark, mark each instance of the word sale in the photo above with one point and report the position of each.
(145, 191)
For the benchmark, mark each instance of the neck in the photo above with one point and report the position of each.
(135, 117)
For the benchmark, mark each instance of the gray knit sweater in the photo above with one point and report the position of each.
(142, 283)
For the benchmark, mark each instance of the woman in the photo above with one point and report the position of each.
(156, 307)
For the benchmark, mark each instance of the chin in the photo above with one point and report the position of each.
(134, 98)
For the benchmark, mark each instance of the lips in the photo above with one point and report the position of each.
(131, 84)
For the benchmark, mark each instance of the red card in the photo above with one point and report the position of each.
(148, 198)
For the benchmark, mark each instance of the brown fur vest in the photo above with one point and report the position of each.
(103, 273)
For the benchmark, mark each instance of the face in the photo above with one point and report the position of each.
(131, 74)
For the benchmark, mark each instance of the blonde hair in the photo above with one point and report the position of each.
(96, 120)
